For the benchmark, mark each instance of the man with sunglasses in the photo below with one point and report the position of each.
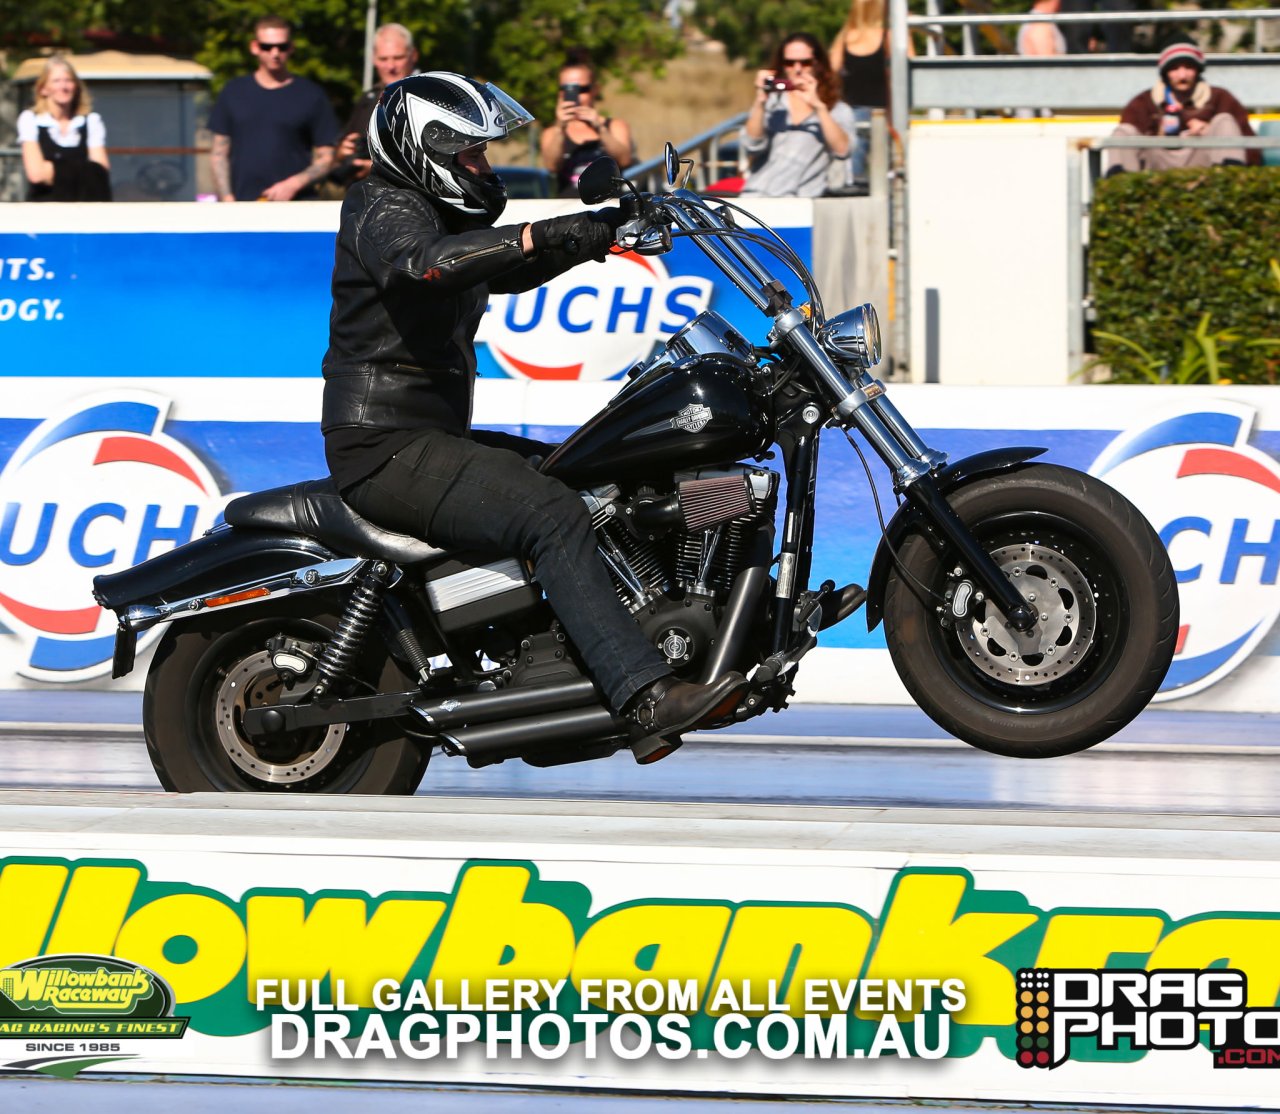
(273, 132)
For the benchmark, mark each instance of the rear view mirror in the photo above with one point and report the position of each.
(601, 181)
(673, 164)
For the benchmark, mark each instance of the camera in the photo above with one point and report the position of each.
(571, 93)
(779, 85)
(361, 147)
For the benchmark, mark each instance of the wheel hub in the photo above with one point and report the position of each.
(1066, 618)
(252, 683)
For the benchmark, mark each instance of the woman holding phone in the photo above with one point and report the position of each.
(581, 134)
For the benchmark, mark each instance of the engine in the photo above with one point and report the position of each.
(675, 556)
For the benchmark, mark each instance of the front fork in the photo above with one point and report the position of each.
(914, 465)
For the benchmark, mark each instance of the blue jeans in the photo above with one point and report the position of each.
(458, 493)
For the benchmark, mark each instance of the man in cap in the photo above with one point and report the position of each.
(1181, 103)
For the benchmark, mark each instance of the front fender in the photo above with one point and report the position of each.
(908, 518)
(223, 558)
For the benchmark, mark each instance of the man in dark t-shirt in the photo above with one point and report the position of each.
(273, 132)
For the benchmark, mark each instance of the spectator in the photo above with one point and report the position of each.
(1081, 38)
(1039, 39)
(581, 134)
(64, 142)
(860, 56)
(273, 132)
(1181, 103)
(798, 124)
(394, 57)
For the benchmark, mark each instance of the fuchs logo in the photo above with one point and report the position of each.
(1172, 1009)
(73, 1010)
(593, 322)
(91, 490)
(1215, 501)
(693, 418)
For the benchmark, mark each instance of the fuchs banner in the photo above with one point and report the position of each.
(863, 959)
(95, 478)
(190, 290)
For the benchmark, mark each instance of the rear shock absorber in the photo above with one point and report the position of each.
(353, 628)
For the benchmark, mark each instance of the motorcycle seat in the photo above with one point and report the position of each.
(315, 508)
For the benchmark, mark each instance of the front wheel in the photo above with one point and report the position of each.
(208, 671)
(1106, 604)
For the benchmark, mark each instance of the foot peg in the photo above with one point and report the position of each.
(838, 606)
(654, 748)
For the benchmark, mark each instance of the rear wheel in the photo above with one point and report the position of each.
(1107, 616)
(207, 672)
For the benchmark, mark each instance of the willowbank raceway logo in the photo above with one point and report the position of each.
(503, 963)
(95, 488)
(72, 1012)
(1062, 1012)
(1214, 499)
(626, 304)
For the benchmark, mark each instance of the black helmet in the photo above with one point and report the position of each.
(423, 121)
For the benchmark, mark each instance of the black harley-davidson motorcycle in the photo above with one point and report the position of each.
(1029, 609)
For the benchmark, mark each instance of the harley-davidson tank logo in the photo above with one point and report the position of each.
(693, 418)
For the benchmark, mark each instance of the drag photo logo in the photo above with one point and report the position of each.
(1146, 1010)
(95, 488)
(593, 322)
(71, 1012)
(1214, 499)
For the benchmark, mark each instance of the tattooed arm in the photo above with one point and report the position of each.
(288, 188)
(220, 164)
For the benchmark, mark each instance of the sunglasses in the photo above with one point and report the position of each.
(798, 61)
(283, 48)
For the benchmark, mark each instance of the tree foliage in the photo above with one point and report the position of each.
(518, 43)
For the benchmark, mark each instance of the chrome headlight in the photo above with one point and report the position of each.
(853, 335)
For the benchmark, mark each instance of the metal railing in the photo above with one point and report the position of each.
(706, 149)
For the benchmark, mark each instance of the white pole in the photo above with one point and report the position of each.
(370, 26)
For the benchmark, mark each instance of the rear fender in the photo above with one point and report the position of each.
(910, 520)
(225, 568)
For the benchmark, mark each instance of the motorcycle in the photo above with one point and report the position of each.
(1029, 609)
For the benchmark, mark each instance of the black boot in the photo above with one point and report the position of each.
(669, 706)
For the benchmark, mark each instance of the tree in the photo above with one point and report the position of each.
(520, 44)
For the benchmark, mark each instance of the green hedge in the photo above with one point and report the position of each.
(1167, 248)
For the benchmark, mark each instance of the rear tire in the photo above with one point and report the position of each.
(1104, 586)
(206, 670)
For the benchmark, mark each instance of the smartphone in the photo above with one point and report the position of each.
(571, 93)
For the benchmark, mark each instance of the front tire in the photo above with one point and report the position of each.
(207, 671)
(1106, 600)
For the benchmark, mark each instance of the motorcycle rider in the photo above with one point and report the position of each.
(417, 255)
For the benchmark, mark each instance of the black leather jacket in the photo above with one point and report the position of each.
(409, 288)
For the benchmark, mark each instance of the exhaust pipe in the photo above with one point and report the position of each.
(483, 707)
(487, 743)
(467, 708)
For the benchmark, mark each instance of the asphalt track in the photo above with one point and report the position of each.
(1165, 762)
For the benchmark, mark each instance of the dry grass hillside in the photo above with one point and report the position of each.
(698, 90)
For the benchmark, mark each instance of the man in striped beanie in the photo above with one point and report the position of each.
(1181, 103)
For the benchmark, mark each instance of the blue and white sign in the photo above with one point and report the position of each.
(96, 487)
(1215, 501)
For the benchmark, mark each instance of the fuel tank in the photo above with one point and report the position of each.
(701, 410)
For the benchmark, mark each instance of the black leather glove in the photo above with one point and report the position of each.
(586, 235)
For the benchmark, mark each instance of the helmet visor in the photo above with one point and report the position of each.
(511, 114)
